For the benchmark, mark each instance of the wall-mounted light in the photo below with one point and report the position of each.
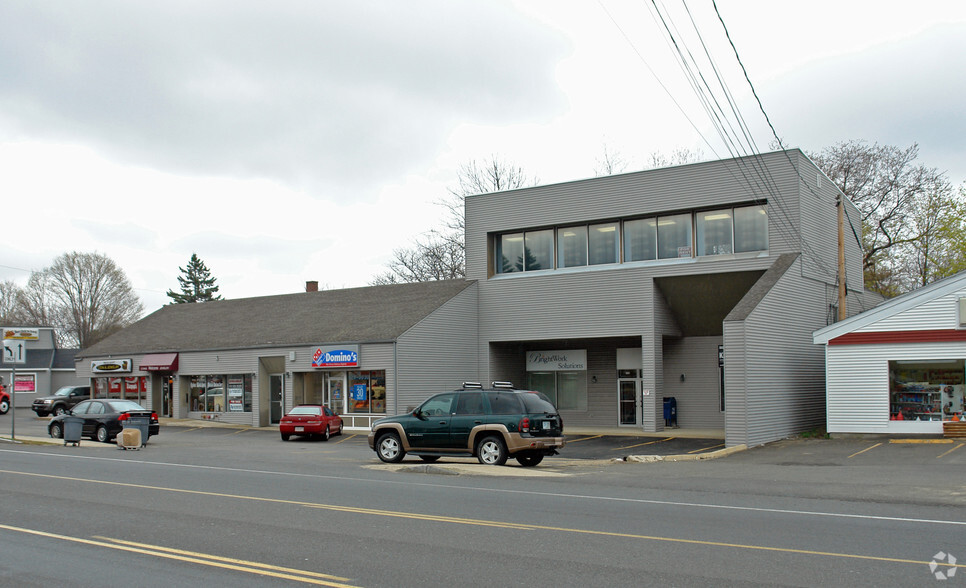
(593, 379)
(682, 377)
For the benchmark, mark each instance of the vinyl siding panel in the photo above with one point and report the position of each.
(781, 375)
(439, 353)
(858, 384)
(698, 395)
(939, 313)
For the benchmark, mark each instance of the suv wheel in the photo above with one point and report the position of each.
(389, 448)
(59, 410)
(491, 451)
(528, 461)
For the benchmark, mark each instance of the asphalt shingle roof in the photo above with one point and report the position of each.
(374, 313)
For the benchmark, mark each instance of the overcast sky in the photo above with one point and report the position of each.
(292, 141)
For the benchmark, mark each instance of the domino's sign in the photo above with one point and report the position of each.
(344, 356)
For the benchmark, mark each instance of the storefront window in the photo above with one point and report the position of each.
(927, 390)
(566, 389)
(367, 392)
(208, 393)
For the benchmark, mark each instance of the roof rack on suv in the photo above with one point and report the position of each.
(472, 385)
(502, 384)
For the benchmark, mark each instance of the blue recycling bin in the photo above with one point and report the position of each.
(670, 412)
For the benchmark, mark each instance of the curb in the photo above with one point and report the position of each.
(685, 457)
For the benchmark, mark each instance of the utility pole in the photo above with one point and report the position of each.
(840, 203)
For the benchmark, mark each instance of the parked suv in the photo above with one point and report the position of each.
(60, 401)
(489, 424)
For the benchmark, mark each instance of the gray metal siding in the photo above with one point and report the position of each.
(683, 188)
(439, 353)
(698, 395)
(783, 374)
(940, 313)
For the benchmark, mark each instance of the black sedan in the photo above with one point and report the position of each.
(103, 419)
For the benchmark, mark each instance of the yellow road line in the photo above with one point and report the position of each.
(477, 522)
(584, 439)
(344, 439)
(207, 560)
(863, 451)
(706, 448)
(920, 440)
(642, 444)
(950, 451)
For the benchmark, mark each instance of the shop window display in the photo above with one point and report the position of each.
(208, 393)
(927, 390)
(367, 392)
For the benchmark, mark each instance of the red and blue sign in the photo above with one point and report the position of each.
(335, 358)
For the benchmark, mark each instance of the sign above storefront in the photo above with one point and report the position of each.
(557, 361)
(111, 366)
(342, 356)
(21, 333)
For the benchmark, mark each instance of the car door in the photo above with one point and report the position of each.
(469, 413)
(430, 427)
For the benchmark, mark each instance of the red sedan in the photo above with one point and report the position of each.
(310, 420)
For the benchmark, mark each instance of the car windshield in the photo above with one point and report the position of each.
(537, 402)
(65, 391)
(125, 405)
(311, 410)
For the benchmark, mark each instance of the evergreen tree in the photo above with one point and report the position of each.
(197, 285)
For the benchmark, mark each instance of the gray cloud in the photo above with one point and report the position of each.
(305, 92)
(908, 91)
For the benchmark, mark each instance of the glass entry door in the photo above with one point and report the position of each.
(276, 397)
(628, 394)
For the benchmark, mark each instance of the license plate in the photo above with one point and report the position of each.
(299, 429)
(546, 425)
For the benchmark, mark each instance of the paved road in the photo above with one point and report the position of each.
(224, 506)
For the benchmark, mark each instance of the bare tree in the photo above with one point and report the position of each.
(893, 194)
(85, 296)
(679, 156)
(610, 163)
(10, 310)
(441, 253)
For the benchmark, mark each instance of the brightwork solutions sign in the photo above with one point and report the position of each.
(342, 356)
(557, 361)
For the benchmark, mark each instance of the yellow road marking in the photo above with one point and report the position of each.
(344, 439)
(950, 451)
(706, 448)
(463, 521)
(642, 444)
(207, 560)
(584, 439)
(863, 451)
(920, 440)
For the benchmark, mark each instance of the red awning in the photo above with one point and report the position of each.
(159, 362)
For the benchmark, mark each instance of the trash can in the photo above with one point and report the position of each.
(73, 427)
(670, 412)
(141, 423)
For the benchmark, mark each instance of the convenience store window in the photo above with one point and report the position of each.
(208, 393)
(923, 390)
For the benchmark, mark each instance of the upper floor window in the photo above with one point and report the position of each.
(706, 233)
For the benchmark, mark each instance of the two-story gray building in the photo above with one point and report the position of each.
(702, 283)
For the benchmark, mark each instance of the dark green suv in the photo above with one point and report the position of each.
(489, 424)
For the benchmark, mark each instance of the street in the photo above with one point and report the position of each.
(223, 506)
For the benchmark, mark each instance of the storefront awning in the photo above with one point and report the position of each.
(159, 362)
